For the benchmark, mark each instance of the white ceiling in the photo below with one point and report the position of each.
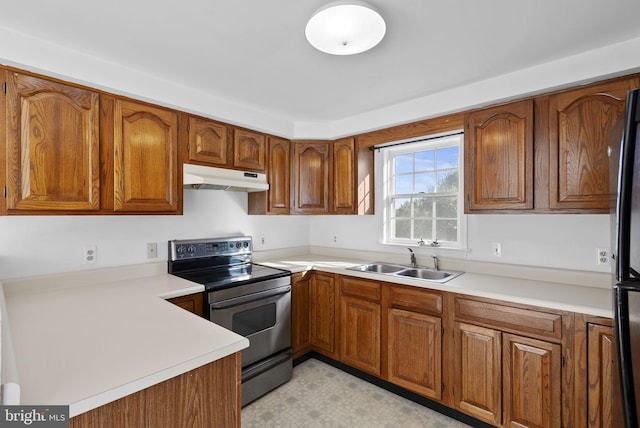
(253, 55)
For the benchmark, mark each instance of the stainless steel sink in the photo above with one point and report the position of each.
(378, 268)
(424, 274)
(429, 274)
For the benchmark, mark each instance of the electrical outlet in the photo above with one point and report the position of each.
(496, 249)
(152, 250)
(335, 238)
(90, 255)
(603, 256)
(261, 240)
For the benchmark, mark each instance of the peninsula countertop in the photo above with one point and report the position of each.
(89, 338)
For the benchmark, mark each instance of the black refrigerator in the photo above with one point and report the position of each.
(626, 288)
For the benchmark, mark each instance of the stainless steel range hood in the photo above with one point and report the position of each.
(206, 177)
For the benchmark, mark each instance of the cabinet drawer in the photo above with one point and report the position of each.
(360, 288)
(415, 299)
(545, 324)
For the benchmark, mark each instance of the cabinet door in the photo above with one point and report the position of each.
(603, 399)
(478, 372)
(300, 319)
(360, 334)
(192, 303)
(499, 158)
(323, 313)
(580, 130)
(279, 175)
(344, 176)
(53, 146)
(145, 156)
(531, 382)
(208, 142)
(311, 161)
(414, 359)
(248, 150)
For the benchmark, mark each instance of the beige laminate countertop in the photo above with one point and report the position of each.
(581, 299)
(98, 336)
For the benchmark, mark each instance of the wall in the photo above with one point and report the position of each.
(33, 245)
(556, 241)
(547, 240)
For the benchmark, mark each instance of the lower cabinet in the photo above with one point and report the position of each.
(531, 382)
(597, 377)
(414, 339)
(322, 298)
(359, 321)
(208, 396)
(478, 372)
(300, 315)
(192, 303)
(507, 364)
(602, 396)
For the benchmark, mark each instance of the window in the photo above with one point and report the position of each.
(423, 198)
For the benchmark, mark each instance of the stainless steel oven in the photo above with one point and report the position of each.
(250, 299)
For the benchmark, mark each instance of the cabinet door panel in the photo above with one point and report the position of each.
(300, 314)
(311, 177)
(531, 382)
(603, 399)
(499, 158)
(145, 150)
(360, 334)
(344, 176)
(581, 127)
(53, 145)
(248, 150)
(279, 175)
(478, 372)
(415, 352)
(323, 313)
(208, 141)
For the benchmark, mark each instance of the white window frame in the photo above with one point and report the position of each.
(429, 142)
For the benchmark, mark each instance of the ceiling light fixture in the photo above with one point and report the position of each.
(345, 28)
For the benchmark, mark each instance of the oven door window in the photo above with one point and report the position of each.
(254, 320)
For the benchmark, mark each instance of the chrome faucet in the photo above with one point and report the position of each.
(435, 262)
(413, 258)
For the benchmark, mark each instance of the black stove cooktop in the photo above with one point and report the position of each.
(218, 278)
(218, 263)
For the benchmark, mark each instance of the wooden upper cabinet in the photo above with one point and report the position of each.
(279, 176)
(276, 200)
(53, 157)
(208, 142)
(145, 158)
(499, 158)
(311, 182)
(580, 130)
(344, 176)
(249, 150)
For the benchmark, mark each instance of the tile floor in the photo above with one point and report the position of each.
(320, 395)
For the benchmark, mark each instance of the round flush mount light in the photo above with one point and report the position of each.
(345, 28)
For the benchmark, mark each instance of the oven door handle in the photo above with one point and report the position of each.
(236, 301)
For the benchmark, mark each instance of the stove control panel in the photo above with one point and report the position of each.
(201, 248)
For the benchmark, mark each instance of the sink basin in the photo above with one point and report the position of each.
(430, 275)
(378, 268)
